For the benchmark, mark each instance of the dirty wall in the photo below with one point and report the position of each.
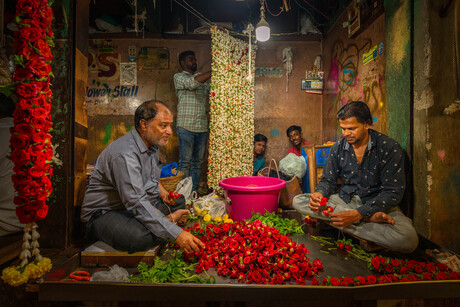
(354, 69)
(116, 86)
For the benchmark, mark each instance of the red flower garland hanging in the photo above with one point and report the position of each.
(30, 142)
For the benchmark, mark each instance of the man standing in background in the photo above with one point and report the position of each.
(192, 92)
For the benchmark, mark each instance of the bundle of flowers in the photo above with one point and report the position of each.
(398, 270)
(30, 142)
(253, 253)
(390, 270)
(231, 127)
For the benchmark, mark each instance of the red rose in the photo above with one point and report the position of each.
(19, 115)
(395, 262)
(27, 22)
(18, 141)
(25, 103)
(335, 281)
(30, 34)
(21, 200)
(375, 263)
(35, 149)
(38, 67)
(38, 123)
(20, 156)
(39, 158)
(26, 6)
(418, 269)
(49, 154)
(19, 44)
(323, 201)
(47, 13)
(42, 212)
(39, 137)
(25, 130)
(403, 270)
(34, 205)
(371, 279)
(28, 89)
(43, 49)
(24, 216)
(39, 113)
(21, 73)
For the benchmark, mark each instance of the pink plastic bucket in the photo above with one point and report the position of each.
(247, 195)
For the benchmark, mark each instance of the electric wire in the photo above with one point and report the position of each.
(316, 9)
(268, 10)
(200, 16)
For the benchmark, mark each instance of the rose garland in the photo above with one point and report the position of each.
(231, 109)
(30, 141)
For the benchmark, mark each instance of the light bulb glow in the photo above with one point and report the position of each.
(262, 30)
(262, 33)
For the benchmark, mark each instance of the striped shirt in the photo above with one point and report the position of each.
(192, 96)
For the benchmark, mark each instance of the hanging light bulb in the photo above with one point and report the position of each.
(262, 28)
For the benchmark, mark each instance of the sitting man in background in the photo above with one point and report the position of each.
(294, 133)
(125, 204)
(9, 222)
(260, 144)
(372, 168)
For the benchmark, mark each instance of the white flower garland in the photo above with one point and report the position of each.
(231, 109)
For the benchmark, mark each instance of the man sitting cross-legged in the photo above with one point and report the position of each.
(371, 166)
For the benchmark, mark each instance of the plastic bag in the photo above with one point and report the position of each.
(210, 204)
(293, 165)
(115, 273)
(184, 187)
(167, 170)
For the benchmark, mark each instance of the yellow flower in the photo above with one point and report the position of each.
(229, 221)
(14, 277)
(225, 217)
(217, 219)
(280, 210)
(207, 218)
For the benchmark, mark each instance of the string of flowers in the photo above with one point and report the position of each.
(231, 109)
(30, 142)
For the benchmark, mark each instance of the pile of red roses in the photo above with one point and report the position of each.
(253, 253)
(396, 270)
(30, 141)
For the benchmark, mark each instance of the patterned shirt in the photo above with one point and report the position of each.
(379, 180)
(126, 176)
(192, 96)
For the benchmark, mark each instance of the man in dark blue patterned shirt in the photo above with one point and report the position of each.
(371, 166)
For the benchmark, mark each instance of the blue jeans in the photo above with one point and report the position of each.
(192, 146)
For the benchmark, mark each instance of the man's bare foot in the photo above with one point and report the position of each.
(180, 216)
(381, 217)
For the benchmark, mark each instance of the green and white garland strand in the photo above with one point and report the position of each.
(231, 108)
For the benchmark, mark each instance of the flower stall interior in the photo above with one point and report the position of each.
(79, 69)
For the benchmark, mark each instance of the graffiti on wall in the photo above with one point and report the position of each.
(350, 81)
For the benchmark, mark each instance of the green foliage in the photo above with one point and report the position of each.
(176, 270)
(283, 225)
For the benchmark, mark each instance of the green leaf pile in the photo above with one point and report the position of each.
(283, 225)
(176, 270)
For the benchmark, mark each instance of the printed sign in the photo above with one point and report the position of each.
(370, 56)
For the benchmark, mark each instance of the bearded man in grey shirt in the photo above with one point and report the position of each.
(125, 204)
